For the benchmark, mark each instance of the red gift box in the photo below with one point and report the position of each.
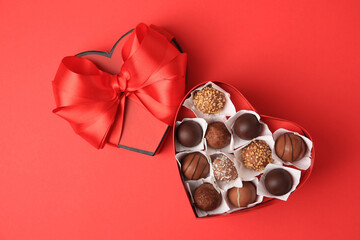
(140, 130)
(241, 103)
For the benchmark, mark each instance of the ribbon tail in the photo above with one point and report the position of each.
(117, 128)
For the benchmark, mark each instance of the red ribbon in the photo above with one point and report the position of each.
(93, 101)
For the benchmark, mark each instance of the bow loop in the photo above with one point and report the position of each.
(93, 101)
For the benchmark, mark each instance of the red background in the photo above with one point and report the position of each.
(298, 60)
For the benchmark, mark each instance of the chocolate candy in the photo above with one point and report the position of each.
(209, 100)
(256, 155)
(206, 197)
(278, 181)
(290, 147)
(224, 169)
(195, 166)
(247, 126)
(217, 136)
(189, 133)
(242, 197)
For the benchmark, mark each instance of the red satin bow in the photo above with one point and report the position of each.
(93, 101)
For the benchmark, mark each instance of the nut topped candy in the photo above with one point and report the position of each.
(206, 197)
(224, 169)
(209, 100)
(247, 126)
(290, 147)
(256, 155)
(189, 133)
(242, 197)
(217, 135)
(278, 181)
(195, 166)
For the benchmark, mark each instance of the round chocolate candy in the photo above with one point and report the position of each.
(290, 147)
(209, 100)
(206, 197)
(224, 169)
(247, 126)
(194, 166)
(256, 155)
(278, 181)
(217, 135)
(189, 133)
(242, 197)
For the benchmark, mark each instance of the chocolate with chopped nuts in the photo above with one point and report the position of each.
(256, 155)
(209, 100)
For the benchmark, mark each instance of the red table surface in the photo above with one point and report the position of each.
(298, 60)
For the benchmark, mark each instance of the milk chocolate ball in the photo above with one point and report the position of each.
(189, 133)
(195, 166)
(278, 181)
(242, 197)
(206, 197)
(217, 136)
(247, 126)
(290, 147)
(224, 169)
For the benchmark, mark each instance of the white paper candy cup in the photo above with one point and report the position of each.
(201, 145)
(303, 163)
(259, 199)
(228, 110)
(248, 174)
(261, 190)
(239, 142)
(226, 185)
(192, 185)
(229, 148)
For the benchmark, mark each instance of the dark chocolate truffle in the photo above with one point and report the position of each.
(224, 169)
(195, 166)
(206, 197)
(189, 133)
(278, 181)
(217, 136)
(209, 100)
(247, 126)
(256, 155)
(242, 197)
(290, 147)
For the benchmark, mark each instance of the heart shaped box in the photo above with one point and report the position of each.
(241, 103)
(136, 118)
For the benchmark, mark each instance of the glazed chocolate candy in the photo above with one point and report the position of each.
(290, 147)
(247, 126)
(206, 197)
(242, 197)
(195, 166)
(217, 136)
(189, 133)
(278, 181)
